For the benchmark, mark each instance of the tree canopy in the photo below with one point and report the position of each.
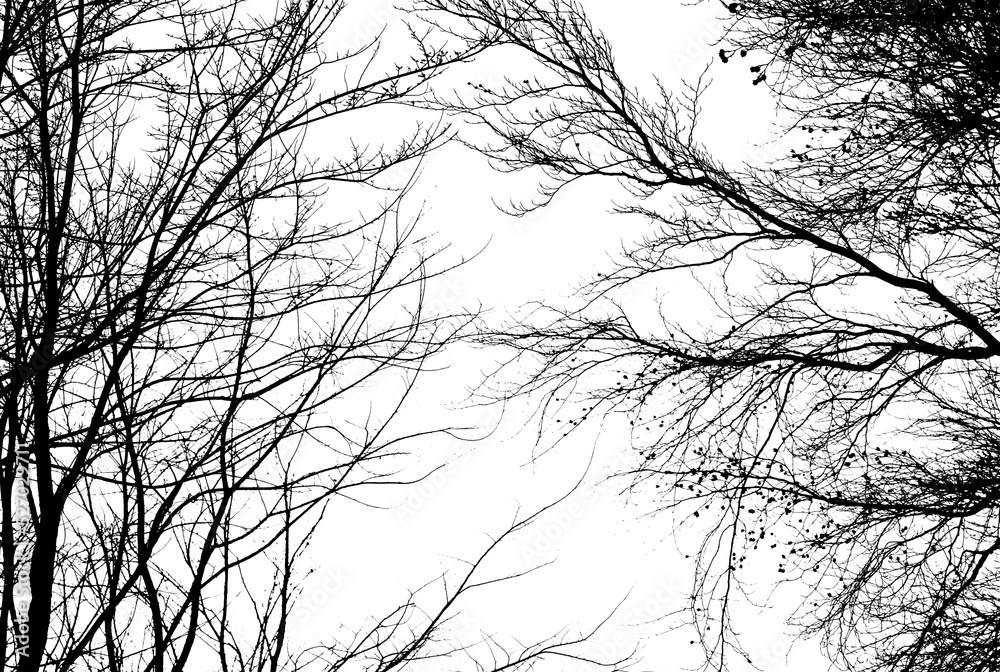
(839, 415)
(189, 324)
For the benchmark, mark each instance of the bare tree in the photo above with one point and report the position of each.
(188, 330)
(839, 416)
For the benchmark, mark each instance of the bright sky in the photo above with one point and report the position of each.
(605, 548)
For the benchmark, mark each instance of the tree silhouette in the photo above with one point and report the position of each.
(188, 327)
(838, 416)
